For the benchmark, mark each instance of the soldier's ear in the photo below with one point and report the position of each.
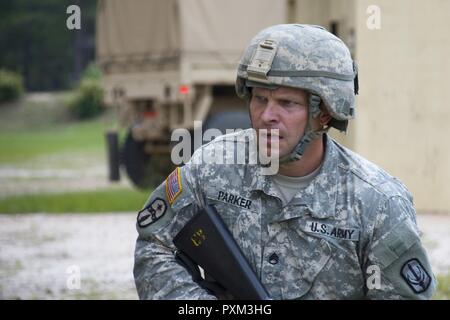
(324, 118)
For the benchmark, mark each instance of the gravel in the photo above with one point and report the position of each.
(90, 256)
(64, 172)
(436, 238)
(69, 256)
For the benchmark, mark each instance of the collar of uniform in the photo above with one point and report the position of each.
(318, 199)
(261, 182)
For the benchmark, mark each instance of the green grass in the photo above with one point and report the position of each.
(20, 146)
(443, 289)
(110, 200)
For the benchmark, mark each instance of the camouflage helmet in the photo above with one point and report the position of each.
(306, 57)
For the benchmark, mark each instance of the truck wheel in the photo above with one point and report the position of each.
(112, 143)
(144, 170)
(227, 120)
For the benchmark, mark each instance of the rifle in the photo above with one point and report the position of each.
(206, 242)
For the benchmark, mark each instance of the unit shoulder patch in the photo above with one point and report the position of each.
(152, 213)
(416, 276)
(173, 186)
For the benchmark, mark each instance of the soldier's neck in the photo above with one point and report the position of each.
(310, 161)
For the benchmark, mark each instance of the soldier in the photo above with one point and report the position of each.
(329, 225)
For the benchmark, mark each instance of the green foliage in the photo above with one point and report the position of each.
(109, 200)
(443, 288)
(11, 85)
(36, 42)
(88, 100)
(92, 72)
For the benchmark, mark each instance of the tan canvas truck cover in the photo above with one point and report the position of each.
(201, 40)
(148, 49)
(137, 29)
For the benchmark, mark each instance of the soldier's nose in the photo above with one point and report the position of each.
(270, 113)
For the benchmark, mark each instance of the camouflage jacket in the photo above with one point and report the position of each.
(350, 234)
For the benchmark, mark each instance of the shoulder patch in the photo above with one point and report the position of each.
(416, 276)
(152, 213)
(173, 185)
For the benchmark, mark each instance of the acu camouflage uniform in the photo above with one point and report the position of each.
(321, 245)
(330, 240)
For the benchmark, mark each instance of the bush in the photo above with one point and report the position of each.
(11, 85)
(88, 100)
(92, 72)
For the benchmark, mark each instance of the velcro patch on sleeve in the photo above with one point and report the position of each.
(151, 213)
(173, 186)
(416, 276)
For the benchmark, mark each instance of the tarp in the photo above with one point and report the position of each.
(134, 29)
(155, 28)
(218, 25)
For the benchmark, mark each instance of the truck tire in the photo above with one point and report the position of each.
(144, 170)
(112, 143)
(227, 120)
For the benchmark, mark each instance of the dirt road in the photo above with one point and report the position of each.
(76, 256)
(41, 256)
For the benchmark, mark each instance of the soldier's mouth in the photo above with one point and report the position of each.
(271, 136)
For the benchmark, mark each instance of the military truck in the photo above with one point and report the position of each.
(169, 63)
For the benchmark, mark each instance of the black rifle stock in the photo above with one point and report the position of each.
(206, 241)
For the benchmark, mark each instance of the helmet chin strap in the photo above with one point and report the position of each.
(309, 135)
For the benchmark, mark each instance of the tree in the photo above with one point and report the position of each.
(36, 42)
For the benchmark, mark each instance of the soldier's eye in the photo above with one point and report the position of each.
(288, 103)
(260, 99)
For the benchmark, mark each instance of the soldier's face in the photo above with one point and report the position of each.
(285, 109)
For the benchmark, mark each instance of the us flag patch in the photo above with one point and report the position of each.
(173, 185)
